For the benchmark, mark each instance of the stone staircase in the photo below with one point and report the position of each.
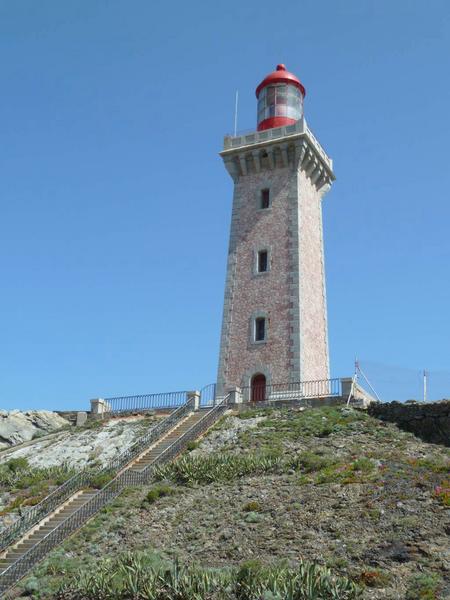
(47, 525)
(150, 455)
(22, 555)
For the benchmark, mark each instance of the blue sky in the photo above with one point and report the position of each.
(115, 206)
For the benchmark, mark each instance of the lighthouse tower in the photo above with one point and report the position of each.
(274, 330)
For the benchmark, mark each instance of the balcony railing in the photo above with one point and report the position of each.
(249, 137)
(301, 390)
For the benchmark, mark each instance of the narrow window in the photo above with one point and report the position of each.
(265, 198)
(260, 329)
(262, 263)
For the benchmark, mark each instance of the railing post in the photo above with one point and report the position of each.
(346, 387)
(194, 396)
(81, 418)
(235, 395)
(99, 406)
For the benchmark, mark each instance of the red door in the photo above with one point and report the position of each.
(258, 387)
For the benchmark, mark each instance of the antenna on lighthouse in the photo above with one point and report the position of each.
(236, 112)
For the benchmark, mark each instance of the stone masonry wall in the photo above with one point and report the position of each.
(291, 295)
(249, 293)
(313, 310)
(428, 421)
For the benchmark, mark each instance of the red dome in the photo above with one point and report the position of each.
(280, 76)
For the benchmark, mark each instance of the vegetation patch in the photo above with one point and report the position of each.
(310, 462)
(141, 577)
(190, 470)
(442, 492)
(425, 586)
(29, 485)
(283, 427)
(252, 506)
(327, 469)
(314, 422)
(434, 464)
(91, 424)
(98, 480)
(159, 491)
(374, 578)
(252, 413)
(201, 470)
(192, 445)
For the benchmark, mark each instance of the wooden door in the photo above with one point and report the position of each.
(258, 388)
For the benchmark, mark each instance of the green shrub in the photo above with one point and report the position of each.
(253, 517)
(310, 462)
(425, 586)
(365, 465)
(159, 491)
(192, 445)
(252, 506)
(17, 464)
(99, 480)
(436, 465)
(31, 484)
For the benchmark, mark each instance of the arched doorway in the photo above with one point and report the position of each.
(258, 387)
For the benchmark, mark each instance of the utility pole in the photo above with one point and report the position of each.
(424, 386)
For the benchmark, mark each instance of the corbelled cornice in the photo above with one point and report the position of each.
(291, 146)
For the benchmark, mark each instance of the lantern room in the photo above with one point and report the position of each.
(280, 99)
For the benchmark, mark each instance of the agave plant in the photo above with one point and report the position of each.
(189, 470)
(133, 577)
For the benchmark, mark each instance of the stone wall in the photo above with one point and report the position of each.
(249, 294)
(313, 310)
(428, 421)
(280, 404)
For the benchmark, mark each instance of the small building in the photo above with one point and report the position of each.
(274, 329)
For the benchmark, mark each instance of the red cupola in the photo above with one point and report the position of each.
(280, 99)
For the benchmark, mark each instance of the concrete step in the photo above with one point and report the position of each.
(13, 556)
(25, 546)
(152, 454)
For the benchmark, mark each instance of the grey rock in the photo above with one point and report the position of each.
(17, 427)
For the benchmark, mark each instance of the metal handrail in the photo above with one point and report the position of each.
(124, 404)
(42, 509)
(153, 435)
(316, 388)
(197, 428)
(111, 490)
(85, 477)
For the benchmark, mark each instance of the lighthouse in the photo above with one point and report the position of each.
(274, 328)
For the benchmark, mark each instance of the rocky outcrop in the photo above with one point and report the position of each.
(428, 421)
(80, 447)
(76, 447)
(17, 427)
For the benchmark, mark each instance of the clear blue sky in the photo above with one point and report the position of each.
(115, 205)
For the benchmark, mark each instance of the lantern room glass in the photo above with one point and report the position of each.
(280, 101)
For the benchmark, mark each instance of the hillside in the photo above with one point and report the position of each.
(54, 451)
(279, 488)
